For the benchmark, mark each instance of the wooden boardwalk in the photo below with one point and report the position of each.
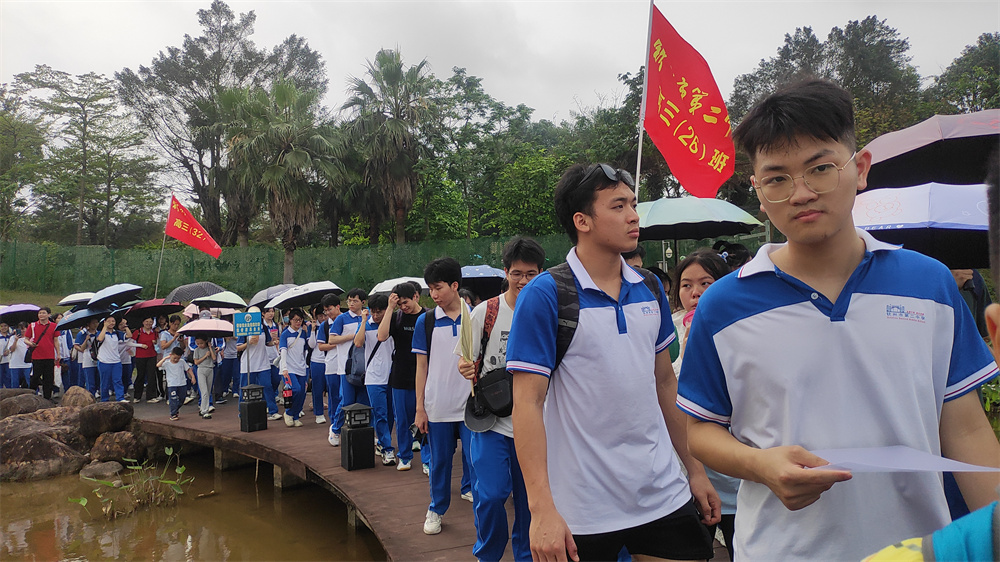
(389, 502)
(392, 504)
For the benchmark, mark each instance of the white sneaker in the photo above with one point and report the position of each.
(289, 421)
(297, 423)
(334, 439)
(427, 469)
(432, 523)
(211, 409)
(467, 497)
(388, 458)
(274, 417)
(403, 465)
(320, 419)
(415, 447)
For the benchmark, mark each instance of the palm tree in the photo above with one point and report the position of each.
(281, 153)
(386, 111)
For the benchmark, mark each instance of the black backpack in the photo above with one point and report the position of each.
(568, 302)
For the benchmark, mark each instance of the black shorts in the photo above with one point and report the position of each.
(678, 536)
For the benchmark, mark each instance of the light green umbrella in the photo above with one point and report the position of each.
(692, 218)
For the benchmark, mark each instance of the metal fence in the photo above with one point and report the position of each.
(60, 270)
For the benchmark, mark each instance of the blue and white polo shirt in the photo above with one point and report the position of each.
(610, 460)
(292, 347)
(347, 323)
(446, 391)
(780, 364)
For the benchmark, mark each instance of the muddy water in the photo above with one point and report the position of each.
(242, 520)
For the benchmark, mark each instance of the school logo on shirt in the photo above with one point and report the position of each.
(899, 312)
(649, 310)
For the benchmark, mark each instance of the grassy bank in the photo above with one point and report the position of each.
(14, 297)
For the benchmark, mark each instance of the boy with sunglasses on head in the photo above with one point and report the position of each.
(602, 421)
(832, 340)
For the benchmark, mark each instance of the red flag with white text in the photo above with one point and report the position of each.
(686, 116)
(182, 226)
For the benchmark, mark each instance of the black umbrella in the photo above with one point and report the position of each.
(949, 149)
(16, 313)
(81, 318)
(152, 309)
(120, 293)
(186, 293)
(264, 295)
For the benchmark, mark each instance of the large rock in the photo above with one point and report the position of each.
(60, 415)
(77, 396)
(6, 393)
(101, 470)
(23, 404)
(35, 456)
(22, 425)
(104, 417)
(118, 446)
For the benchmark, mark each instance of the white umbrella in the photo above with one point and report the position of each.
(76, 298)
(224, 299)
(304, 295)
(386, 287)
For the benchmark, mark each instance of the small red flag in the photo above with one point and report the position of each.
(685, 114)
(182, 226)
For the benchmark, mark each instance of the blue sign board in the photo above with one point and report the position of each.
(246, 324)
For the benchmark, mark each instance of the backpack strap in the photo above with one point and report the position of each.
(653, 282)
(568, 302)
(429, 314)
(492, 310)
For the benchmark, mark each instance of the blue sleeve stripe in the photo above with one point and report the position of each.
(528, 368)
(971, 382)
(696, 411)
(419, 351)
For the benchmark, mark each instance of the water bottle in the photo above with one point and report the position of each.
(286, 395)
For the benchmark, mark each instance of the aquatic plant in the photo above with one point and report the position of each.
(144, 485)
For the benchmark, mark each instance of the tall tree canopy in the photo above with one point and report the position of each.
(175, 98)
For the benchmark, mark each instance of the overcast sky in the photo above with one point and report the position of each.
(556, 57)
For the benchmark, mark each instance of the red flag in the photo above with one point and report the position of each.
(182, 226)
(685, 114)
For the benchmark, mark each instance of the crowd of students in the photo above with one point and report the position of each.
(635, 423)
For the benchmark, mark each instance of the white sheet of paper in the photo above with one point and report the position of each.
(892, 459)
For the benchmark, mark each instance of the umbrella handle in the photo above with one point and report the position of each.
(473, 383)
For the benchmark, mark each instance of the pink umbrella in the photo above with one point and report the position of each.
(208, 327)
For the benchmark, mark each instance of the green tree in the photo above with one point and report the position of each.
(175, 101)
(282, 152)
(972, 81)
(524, 196)
(387, 110)
(22, 140)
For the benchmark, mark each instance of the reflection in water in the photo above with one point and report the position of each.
(242, 521)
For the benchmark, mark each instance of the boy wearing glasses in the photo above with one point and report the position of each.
(833, 340)
(603, 421)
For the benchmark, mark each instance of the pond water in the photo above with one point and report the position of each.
(243, 520)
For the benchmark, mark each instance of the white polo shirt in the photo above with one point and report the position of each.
(780, 364)
(495, 356)
(446, 390)
(317, 357)
(255, 359)
(85, 338)
(347, 323)
(109, 350)
(379, 365)
(610, 460)
(292, 347)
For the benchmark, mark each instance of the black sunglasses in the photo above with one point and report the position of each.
(612, 174)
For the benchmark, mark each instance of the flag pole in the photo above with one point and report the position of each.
(642, 104)
(162, 245)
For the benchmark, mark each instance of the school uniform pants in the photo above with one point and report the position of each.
(111, 377)
(5, 375)
(349, 394)
(317, 370)
(404, 406)
(66, 374)
(298, 395)
(227, 377)
(127, 369)
(89, 375)
(145, 378)
(377, 396)
(75, 373)
(20, 377)
(43, 373)
(332, 399)
(271, 386)
(443, 437)
(205, 378)
(498, 475)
